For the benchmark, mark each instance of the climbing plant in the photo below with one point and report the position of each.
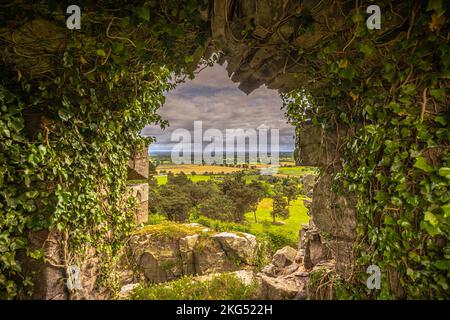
(72, 106)
(389, 89)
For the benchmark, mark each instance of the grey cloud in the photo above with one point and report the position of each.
(213, 98)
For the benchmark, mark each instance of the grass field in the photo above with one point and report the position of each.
(288, 228)
(198, 169)
(291, 226)
(296, 171)
(162, 179)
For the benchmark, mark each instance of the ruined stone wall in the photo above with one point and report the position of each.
(50, 276)
(328, 239)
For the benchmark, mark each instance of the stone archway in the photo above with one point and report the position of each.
(276, 43)
(270, 58)
(270, 53)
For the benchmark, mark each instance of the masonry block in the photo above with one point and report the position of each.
(137, 166)
(140, 192)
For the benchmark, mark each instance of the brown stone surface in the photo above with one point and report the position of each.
(50, 277)
(137, 166)
(140, 192)
(163, 257)
(284, 257)
(333, 213)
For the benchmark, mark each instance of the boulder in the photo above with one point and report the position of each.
(210, 257)
(284, 257)
(281, 288)
(314, 246)
(242, 246)
(165, 252)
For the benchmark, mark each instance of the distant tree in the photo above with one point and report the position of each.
(290, 189)
(235, 188)
(280, 207)
(256, 195)
(217, 207)
(151, 168)
(180, 179)
(174, 203)
(203, 190)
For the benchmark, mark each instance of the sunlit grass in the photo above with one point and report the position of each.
(226, 286)
(291, 226)
(162, 179)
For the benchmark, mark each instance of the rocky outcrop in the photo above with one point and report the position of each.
(162, 253)
(284, 257)
(313, 246)
(308, 183)
(284, 278)
(326, 242)
(253, 53)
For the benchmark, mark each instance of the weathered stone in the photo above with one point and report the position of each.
(187, 245)
(333, 213)
(209, 257)
(140, 192)
(161, 257)
(308, 182)
(137, 166)
(158, 268)
(290, 269)
(50, 276)
(126, 290)
(157, 257)
(342, 252)
(282, 288)
(315, 248)
(284, 257)
(48, 279)
(270, 270)
(307, 203)
(243, 246)
(322, 281)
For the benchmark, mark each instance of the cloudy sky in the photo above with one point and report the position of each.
(215, 100)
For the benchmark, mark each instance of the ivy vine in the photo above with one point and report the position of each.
(91, 92)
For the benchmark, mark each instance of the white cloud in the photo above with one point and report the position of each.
(213, 98)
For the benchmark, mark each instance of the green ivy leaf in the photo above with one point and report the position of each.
(422, 164)
(101, 53)
(431, 218)
(64, 114)
(438, 94)
(144, 13)
(444, 172)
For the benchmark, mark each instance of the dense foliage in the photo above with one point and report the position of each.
(389, 89)
(72, 106)
(91, 91)
(227, 199)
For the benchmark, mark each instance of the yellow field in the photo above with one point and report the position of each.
(198, 169)
(216, 169)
